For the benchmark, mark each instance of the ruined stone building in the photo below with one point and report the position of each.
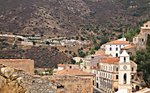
(75, 81)
(146, 28)
(18, 81)
(140, 40)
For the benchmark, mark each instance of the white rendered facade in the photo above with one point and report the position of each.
(115, 74)
(124, 71)
(114, 49)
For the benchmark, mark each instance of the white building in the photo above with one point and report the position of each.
(113, 48)
(116, 74)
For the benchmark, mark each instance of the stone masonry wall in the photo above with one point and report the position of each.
(74, 84)
(18, 81)
(27, 65)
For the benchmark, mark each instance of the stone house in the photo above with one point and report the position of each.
(146, 28)
(131, 49)
(76, 81)
(140, 40)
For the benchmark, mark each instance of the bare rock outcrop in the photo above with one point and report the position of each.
(18, 81)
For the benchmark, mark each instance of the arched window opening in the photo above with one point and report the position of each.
(132, 68)
(116, 68)
(124, 59)
(110, 48)
(116, 54)
(97, 85)
(125, 79)
(116, 89)
(137, 88)
(116, 76)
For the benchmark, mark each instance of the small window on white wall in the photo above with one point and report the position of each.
(116, 68)
(124, 59)
(116, 76)
(110, 48)
(117, 49)
(116, 54)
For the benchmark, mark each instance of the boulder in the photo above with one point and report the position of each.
(7, 72)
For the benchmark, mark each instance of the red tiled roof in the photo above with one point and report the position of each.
(61, 65)
(101, 53)
(72, 72)
(110, 60)
(119, 42)
(95, 67)
(128, 47)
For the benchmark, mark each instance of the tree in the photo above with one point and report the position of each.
(81, 53)
(14, 46)
(70, 51)
(47, 42)
(33, 42)
(36, 72)
(74, 55)
(130, 34)
(19, 39)
(96, 46)
(103, 40)
(72, 61)
(66, 51)
(92, 51)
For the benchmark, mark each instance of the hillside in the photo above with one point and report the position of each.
(43, 57)
(93, 20)
(72, 17)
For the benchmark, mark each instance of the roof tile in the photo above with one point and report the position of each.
(72, 72)
(110, 60)
(118, 42)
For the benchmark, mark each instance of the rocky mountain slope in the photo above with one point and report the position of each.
(93, 20)
(71, 17)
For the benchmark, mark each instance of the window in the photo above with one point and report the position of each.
(132, 76)
(146, 25)
(116, 54)
(124, 59)
(110, 48)
(125, 78)
(70, 67)
(116, 49)
(116, 68)
(132, 68)
(116, 76)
